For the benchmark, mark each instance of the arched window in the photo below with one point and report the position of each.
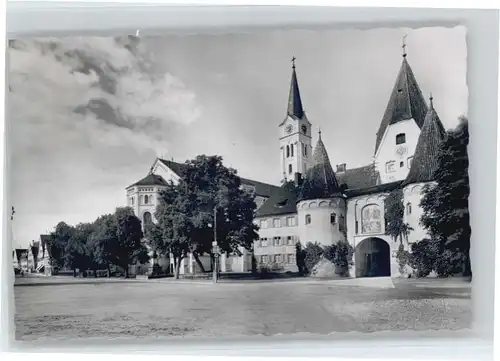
(408, 208)
(400, 138)
(146, 218)
(401, 164)
(371, 221)
(287, 151)
(290, 169)
(291, 150)
(141, 199)
(308, 219)
(146, 199)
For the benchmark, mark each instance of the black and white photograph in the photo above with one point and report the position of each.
(263, 183)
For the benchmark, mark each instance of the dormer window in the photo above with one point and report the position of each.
(400, 138)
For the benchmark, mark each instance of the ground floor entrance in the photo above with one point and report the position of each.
(373, 258)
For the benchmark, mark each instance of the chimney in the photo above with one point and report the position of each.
(341, 168)
(298, 179)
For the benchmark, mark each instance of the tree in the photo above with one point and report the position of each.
(128, 248)
(210, 188)
(445, 205)
(208, 195)
(102, 242)
(171, 235)
(394, 215)
(76, 253)
(59, 239)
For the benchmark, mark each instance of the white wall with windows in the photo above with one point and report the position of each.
(275, 247)
(393, 157)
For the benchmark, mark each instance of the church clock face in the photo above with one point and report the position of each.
(304, 129)
(401, 151)
(288, 129)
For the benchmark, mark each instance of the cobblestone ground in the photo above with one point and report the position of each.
(149, 310)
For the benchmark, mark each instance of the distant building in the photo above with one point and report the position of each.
(316, 203)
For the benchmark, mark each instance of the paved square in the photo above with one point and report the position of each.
(160, 309)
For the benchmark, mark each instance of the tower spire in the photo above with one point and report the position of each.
(295, 109)
(424, 162)
(321, 181)
(406, 101)
(404, 45)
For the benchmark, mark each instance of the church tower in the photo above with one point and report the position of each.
(400, 126)
(295, 135)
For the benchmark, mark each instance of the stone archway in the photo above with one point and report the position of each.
(373, 258)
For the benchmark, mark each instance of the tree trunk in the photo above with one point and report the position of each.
(74, 273)
(109, 270)
(126, 271)
(198, 262)
(177, 266)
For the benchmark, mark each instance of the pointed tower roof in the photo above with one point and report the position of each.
(424, 162)
(406, 102)
(295, 109)
(321, 181)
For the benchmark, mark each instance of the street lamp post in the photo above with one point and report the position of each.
(215, 248)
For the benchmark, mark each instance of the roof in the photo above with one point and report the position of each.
(406, 102)
(425, 162)
(283, 201)
(150, 180)
(361, 177)
(261, 189)
(320, 181)
(379, 188)
(295, 109)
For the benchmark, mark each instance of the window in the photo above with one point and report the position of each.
(291, 150)
(287, 151)
(305, 150)
(290, 169)
(276, 241)
(146, 199)
(357, 227)
(263, 259)
(141, 199)
(263, 223)
(146, 218)
(409, 162)
(290, 221)
(263, 242)
(408, 208)
(401, 164)
(289, 240)
(277, 258)
(291, 258)
(308, 219)
(333, 218)
(401, 138)
(276, 223)
(389, 167)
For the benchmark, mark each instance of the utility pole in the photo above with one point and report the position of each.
(215, 248)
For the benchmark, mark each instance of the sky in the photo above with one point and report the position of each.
(89, 115)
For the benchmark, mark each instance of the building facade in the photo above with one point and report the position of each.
(316, 203)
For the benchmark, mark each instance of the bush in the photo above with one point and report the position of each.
(300, 258)
(403, 258)
(449, 263)
(340, 254)
(312, 255)
(423, 257)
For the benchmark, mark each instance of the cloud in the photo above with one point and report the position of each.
(79, 107)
